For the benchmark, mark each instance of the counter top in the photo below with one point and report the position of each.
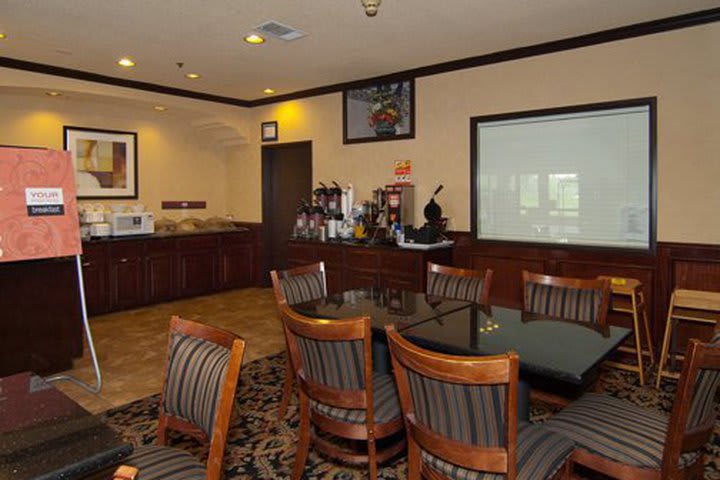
(46, 435)
(161, 235)
(358, 244)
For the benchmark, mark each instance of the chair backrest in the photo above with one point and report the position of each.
(459, 283)
(460, 409)
(200, 379)
(332, 359)
(300, 284)
(695, 407)
(574, 299)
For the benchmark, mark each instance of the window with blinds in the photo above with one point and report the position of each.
(577, 175)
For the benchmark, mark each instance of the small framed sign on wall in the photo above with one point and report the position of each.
(269, 131)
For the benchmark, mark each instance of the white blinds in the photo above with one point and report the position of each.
(576, 178)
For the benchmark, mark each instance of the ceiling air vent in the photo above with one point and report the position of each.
(280, 30)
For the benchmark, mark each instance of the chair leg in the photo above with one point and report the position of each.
(648, 336)
(303, 438)
(162, 430)
(372, 457)
(414, 461)
(287, 389)
(666, 343)
(638, 342)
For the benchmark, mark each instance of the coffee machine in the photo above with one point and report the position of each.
(400, 204)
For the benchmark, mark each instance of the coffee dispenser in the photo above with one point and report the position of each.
(400, 204)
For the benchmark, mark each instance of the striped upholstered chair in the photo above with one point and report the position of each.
(625, 441)
(297, 285)
(339, 392)
(459, 283)
(201, 375)
(573, 299)
(461, 418)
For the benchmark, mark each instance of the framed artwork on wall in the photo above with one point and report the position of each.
(269, 131)
(105, 161)
(374, 113)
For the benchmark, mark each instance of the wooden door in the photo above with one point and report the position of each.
(287, 178)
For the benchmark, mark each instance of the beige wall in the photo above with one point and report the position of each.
(681, 68)
(176, 161)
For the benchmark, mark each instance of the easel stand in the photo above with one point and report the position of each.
(88, 334)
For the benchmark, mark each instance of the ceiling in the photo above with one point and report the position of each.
(342, 44)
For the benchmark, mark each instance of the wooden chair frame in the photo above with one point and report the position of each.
(569, 282)
(487, 370)
(487, 276)
(280, 299)
(224, 412)
(695, 300)
(678, 441)
(631, 289)
(336, 330)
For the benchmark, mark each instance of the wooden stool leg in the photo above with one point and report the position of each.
(666, 343)
(648, 336)
(638, 343)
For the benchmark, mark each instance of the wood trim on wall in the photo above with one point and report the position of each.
(693, 19)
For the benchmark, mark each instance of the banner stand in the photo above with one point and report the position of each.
(88, 334)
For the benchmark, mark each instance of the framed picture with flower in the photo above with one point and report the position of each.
(379, 112)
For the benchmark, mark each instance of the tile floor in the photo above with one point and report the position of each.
(131, 345)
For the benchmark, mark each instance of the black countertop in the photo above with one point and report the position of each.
(46, 435)
(161, 235)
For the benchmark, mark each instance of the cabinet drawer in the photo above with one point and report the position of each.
(202, 242)
(130, 249)
(362, 259)
(404, 262)
(302, 254)
(94, 252)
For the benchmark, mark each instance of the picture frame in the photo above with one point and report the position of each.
(379, 112)
(269, 131)
(105, 161)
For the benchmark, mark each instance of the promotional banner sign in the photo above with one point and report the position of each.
(38, 206)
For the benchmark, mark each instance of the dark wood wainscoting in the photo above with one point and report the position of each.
(672, 265)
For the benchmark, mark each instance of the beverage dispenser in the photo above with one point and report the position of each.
(400, 204)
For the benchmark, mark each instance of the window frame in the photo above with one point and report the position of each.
(650, 102)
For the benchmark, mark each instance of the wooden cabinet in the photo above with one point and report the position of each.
(95, 278)
(236, 261)
(126, 274)
(351, 266)
(197, 265)
(161, 271)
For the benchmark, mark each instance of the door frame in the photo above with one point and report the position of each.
(266, 194)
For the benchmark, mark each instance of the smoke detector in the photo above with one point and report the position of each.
(371, 7)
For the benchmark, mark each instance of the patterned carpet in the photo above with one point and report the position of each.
(260, 447)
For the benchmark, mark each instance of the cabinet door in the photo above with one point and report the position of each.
(126, 283)
(401, 283)
(161, 277)
(334, 278)
(236, 266)
(95, 276)
(197, 272)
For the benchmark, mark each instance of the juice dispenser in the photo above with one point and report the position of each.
(400, 204)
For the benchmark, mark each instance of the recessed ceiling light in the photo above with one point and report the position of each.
(269, 91)
(192, 76)
(126, 62)
(159, 108)
(3, 36)
(53, 94)
(254, 39)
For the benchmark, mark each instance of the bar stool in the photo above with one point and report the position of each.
(689, 305)
(627, 297)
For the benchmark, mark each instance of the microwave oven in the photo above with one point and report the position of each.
(131, 223)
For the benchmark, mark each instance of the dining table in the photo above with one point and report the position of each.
(46, 435)
(555, 354)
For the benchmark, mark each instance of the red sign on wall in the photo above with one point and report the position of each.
(38, 207)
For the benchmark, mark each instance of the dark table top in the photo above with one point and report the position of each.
(46, 435)
(548, 347)
(384, 306)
